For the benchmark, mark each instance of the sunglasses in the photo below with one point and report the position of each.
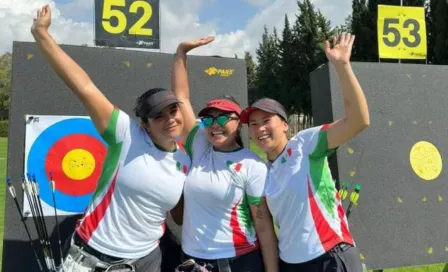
(221, 120)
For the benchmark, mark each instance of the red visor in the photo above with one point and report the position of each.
(221, 104)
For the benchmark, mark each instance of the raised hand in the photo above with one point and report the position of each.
(186, 46)
(342, 48)
(42, 20)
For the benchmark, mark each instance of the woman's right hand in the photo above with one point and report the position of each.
(42, 21)
(186, 46)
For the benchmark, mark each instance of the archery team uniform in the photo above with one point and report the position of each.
(139, 185)
(301, 195)
(219, 188)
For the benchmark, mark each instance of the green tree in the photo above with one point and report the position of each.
(268, 66)
(307, 43)
(289, 74)
(358, 10)
(430, 7)
(345, 27)
(325, 33)
(251, 80)
(439, 12)
(5, 84)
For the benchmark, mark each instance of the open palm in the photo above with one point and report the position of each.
(186, 46)
(342, 48)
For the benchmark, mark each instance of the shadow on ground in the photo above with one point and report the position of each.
(445, 269)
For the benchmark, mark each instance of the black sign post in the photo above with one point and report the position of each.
(127, 23)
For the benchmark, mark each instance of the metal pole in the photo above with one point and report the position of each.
(401, 4)
(160, 28)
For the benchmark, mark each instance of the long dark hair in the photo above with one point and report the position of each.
(238, 138)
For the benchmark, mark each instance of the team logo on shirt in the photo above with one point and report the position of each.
(181, 167)
(288, 155)
(237, 167)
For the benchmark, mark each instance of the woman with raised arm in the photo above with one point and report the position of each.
(313, 231)
(140, 181)
(226, 223)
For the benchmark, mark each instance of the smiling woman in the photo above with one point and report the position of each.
(299, 175)
(225, 135)
(143, 167)
(224, 216)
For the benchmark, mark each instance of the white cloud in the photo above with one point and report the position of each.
(180, 21)
(17, 19)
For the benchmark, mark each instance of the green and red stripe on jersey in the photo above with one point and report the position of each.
(241, 213)
(107, 181)
(324, 187)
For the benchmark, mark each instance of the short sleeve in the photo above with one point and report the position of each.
(118, 128)
(196, 142)
(256, 182)
(315, 141)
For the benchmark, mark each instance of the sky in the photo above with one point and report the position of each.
(236, 24)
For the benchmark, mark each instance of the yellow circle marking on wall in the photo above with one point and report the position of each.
(78, 164)
(426, 160)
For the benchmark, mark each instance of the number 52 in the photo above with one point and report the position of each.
(137, 28)
(390, 29)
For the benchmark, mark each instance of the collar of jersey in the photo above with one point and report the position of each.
(231, 151)
(279, 157)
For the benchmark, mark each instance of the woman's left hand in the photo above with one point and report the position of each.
(342, 49)
(186, 46)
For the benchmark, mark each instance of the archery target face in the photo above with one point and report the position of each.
(71, 149)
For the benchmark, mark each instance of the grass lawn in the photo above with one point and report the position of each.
(3, 154)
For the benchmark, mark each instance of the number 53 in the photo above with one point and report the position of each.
(389, 28)
(137, 28)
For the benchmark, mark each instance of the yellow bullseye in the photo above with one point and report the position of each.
(78, 164)
(426, 160)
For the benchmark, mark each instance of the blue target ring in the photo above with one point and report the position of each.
(39, 151)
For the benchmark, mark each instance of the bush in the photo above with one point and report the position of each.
(4, 128)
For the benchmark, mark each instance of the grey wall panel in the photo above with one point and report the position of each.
(401, 218)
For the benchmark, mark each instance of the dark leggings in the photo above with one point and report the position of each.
(250, 262)
(344, 258)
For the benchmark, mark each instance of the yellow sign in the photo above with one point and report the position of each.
(125, 23)
(137, 28)
(401, 32)
(212, 71)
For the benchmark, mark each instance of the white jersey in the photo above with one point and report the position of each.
(139, 185)
(303, 199)
(218, 191)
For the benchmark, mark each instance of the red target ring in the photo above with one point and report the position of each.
(58, 152)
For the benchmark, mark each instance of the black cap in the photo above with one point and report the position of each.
(264, 104)
(155, 103)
